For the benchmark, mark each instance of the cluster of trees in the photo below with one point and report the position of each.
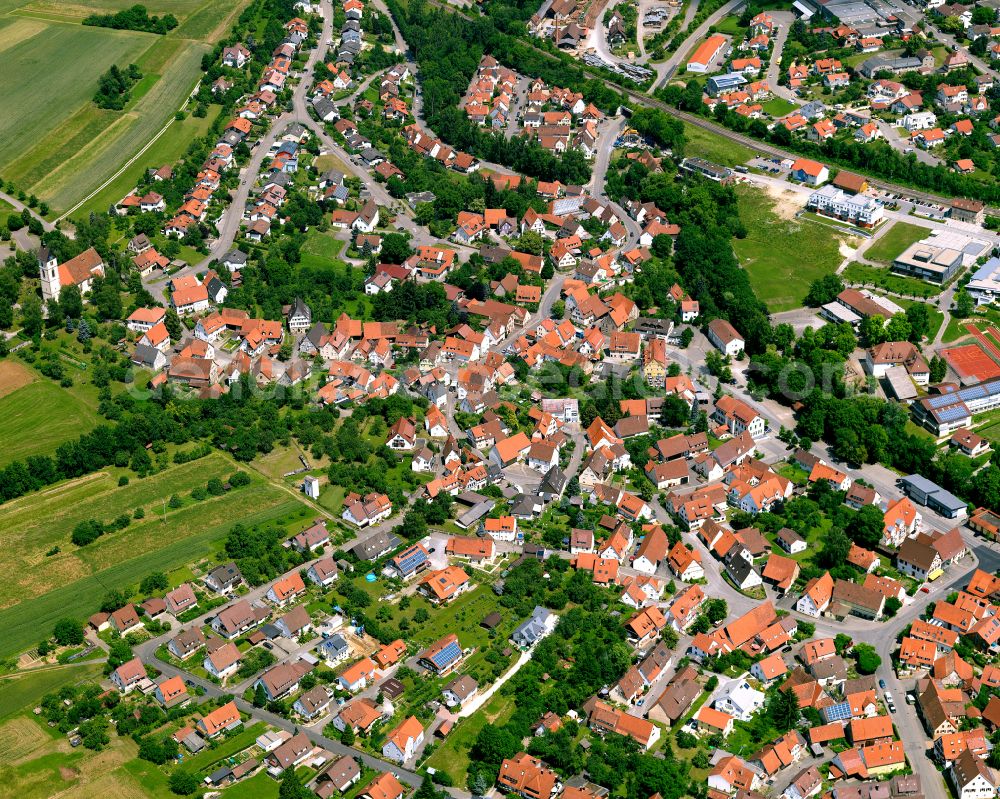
(914, 325)
(863, 429)
(823, 508)
(586, 652)
(135, 18)
(667, 132)
(703, 257)
(241, 422)
(115, 85)
(423, 303)
(88, 531)
(258, 552)
(276, 277)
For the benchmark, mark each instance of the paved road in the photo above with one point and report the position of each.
(948, 39)
(20, 206)
(903, 144)
(233, 216)
(644, 5)
(260, 714)
(784, 20)
(881, 635)
(146, 651)
(757, 146)
(598, 39)
(608, 131)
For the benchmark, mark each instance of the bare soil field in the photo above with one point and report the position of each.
(13, 376)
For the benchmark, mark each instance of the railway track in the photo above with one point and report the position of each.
(754, 144)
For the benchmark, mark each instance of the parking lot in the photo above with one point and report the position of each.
(772, 166)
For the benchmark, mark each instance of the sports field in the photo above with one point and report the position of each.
(971, 361)
(37, 415)
(40, 587)
(64, 148)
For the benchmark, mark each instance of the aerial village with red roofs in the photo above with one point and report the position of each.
(601, 404)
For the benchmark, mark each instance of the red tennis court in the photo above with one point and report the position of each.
(970, 361)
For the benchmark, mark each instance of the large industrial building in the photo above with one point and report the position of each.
(938, 258)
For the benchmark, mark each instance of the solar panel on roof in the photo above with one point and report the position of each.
(446, 655)
(937, 402)
(950, 414)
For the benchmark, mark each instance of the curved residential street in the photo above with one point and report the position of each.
(783, 20)
(233, 215)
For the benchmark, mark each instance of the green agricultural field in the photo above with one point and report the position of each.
(712, 147)
(87, 169)
(900, 236)
(210, 21)
(41, 586)
(167, 149)
(38, 417)
(783, 256)
(21, 691)
(78, 9)
(90, 50)
(64, 157)
(50, 767)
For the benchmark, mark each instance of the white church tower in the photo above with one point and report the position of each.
(48, 268)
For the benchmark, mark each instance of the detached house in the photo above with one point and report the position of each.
(816, 597)
(128, 675)
(285, 590)
(725, 337)
(403, 742)
(739, 417)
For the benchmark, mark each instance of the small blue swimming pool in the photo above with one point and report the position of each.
(370, 577)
